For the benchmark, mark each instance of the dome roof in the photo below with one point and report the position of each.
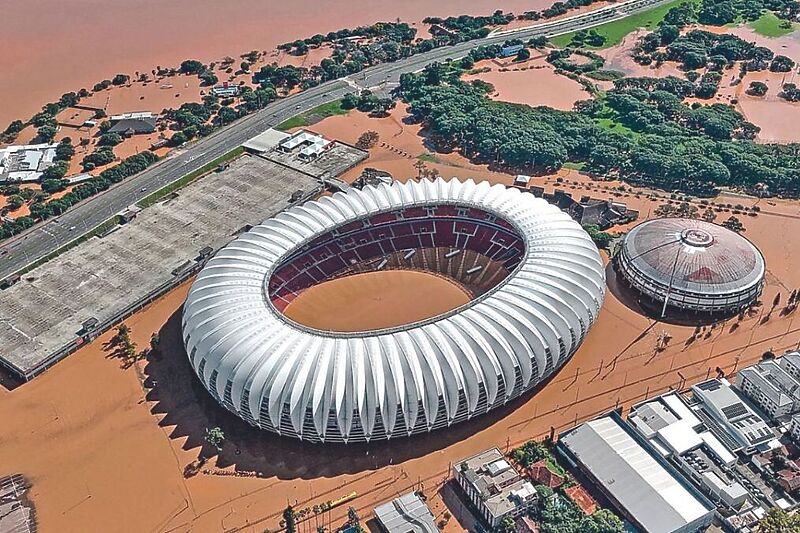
(334, 386)
(694, 256)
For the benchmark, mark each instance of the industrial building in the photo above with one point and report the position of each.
(721, 407)
(690, 266)
(407, 514)
(455, 366)
(25, 163)
(771, 387)
(494, 486)
(638, 482)
(674, 431)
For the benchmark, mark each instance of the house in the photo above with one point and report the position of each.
(508, 51)
(789, 479)
(526, 524)
(25, 163)
(133, 123)
(541, 474)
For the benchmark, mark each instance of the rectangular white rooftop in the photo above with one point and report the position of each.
(649, 493)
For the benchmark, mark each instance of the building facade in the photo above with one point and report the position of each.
(494, 486)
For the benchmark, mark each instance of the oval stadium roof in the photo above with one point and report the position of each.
(332, 386)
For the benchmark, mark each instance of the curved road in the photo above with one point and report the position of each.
(42, 239)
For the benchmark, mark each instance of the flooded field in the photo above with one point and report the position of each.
(375, 300)
(81, 42)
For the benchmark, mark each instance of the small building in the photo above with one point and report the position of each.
(541, 474)
(790, 362)
(522, 181)
(306, 144)
(642, 486)
(494, 487)
(726, 411)
(508, 51)
(225, 90)
(406, 514)
(789, 479)
(526, 524)
(265, 141)
(133, 123)
(373, 177)
(770, 387)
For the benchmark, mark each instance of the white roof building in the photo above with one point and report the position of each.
(544, 284)
(771, 387)
(308, 144)
(644, 488)
(25, 163)
(727, 410)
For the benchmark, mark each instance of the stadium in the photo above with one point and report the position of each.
(679, 266)
(536, 280)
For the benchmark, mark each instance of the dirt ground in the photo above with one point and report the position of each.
(375, 300)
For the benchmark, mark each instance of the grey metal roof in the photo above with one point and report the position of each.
(318, 385)
(648, 492)
(406, 514)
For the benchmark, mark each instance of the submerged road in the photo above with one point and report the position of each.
(36, 243)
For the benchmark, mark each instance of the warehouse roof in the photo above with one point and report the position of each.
(648, 492)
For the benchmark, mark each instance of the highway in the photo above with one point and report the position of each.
(42, 239)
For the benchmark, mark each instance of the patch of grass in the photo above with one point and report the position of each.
(313, 115)
(615, 31)
(188, 178)
(769, 25)
(574, 166)
(612, 125)
(605, 75)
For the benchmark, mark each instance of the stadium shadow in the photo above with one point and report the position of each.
(186, 409)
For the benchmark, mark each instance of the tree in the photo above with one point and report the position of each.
(367, 140)
(734, 224)
(192, 66)
(15, 202)
(215, 437)
(46, 133)
(709, 215)
(757, 88)
(120, 79)
(601, 238)
(779, 521)
(603, 521)
(109, 139)
(65, 150)
(289, 519)
(781, 64)
(523, 55)
(155, 340)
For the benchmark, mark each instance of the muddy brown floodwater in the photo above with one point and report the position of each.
(375, 300)
(51, 47)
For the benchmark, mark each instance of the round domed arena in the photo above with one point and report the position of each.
(535, 278)
(681, 266)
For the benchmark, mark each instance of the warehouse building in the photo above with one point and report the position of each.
(643, 487)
